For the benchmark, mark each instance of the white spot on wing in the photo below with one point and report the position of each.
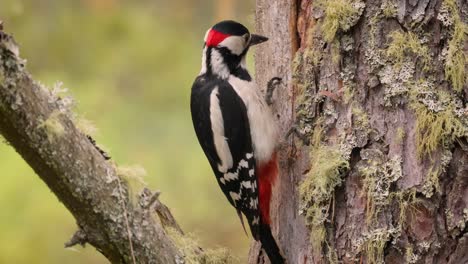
(231, 176)
(247, 184)
(253, 203)
(217, 126)
(256, 220)
(249, 155)
(251, 172)
(243, 164)
(234, 196)
(222, 180)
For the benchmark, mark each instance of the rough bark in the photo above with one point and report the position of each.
(377, 91)
(40, 126)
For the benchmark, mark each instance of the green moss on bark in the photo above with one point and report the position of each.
(373, 243)
(339, 15)
(404, 44)
(52, 126)
(191, 253)
(456, 59)
(317, 189)
(435, 129)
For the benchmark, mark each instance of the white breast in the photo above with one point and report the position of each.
(263, 128)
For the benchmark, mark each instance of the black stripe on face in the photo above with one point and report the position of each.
(209, 71)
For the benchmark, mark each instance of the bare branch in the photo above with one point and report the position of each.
(41, 129)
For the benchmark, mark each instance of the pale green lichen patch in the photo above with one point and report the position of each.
(361, 128)
(317, 189)
(410, 256)
(397, 81)
(347, 74)
(65, 102)
(52, 126)
(307, 97)
(2, 76)
(431, 182)
(389, 9)
(360, 118)
(406, 201)
(373, 244)
(404, 44)
(373, 54)
(440, 118)
(191, 252)
(397, 75)
(312, 52)
(378, 175)
(452, 224)
(85, 125)
(456, 59)
(339, 15)
(59, 95)
(134, 177)
(400, 135)
(398, 62)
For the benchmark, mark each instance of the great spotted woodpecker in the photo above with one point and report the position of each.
(236, 128)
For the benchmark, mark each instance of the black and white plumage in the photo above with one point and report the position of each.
(236, 129)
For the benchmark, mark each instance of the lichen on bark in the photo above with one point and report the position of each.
(382, 98)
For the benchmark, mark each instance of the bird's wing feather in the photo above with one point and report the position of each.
(238, 182)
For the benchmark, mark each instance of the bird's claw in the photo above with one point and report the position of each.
(271, 86)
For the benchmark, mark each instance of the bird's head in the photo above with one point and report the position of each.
(227, 44)
(232, 36)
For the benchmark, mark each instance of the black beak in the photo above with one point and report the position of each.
(257, 39)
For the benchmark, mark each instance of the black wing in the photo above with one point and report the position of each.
(239, 182)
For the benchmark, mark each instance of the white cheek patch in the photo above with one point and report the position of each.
(218, 66)
(235, 44)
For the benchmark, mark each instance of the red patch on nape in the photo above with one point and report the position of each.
(267, 174)
(215, 37)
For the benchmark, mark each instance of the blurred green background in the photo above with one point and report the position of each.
(130, 66)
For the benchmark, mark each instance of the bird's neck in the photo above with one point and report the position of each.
(222, 64)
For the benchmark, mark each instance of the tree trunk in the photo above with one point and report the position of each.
(376, 170)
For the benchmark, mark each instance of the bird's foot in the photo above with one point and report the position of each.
(271, 86)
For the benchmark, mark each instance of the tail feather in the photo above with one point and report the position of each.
(269, 245)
